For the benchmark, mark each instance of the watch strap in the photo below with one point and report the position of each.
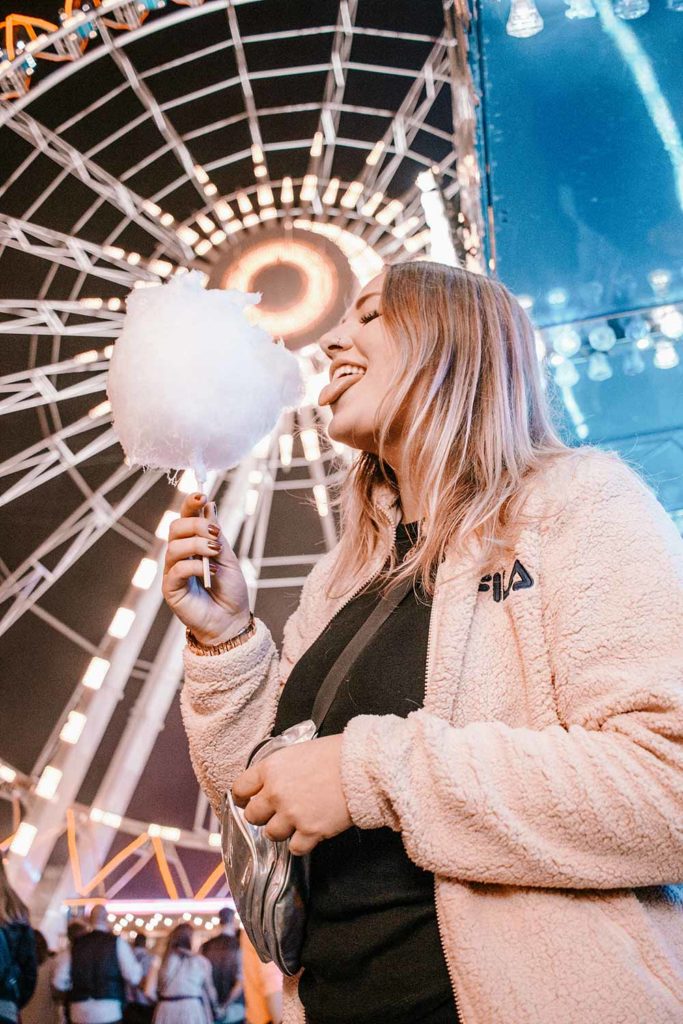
(211, 650)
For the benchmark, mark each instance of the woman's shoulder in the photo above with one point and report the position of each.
(599, 498)
(583, 478)
(586, 467)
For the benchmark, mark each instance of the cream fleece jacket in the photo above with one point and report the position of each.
(542, 781)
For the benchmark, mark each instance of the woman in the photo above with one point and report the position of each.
(494, 805)
(18, 967)
(184, 988)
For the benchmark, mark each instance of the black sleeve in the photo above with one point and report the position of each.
(25, 956)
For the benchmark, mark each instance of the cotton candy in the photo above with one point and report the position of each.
(192, 383)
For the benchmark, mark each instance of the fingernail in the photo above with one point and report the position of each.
(214, 545)
(213, 567)
(214, 530)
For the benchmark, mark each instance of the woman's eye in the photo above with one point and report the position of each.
(367, 317)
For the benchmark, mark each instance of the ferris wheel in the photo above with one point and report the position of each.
(274, 148)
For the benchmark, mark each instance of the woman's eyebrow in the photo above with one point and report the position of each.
(359, 302)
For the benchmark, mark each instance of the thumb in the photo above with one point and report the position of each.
(210, 512)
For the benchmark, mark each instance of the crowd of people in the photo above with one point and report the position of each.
(103, 978)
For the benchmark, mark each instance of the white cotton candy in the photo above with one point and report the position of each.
(192, 383)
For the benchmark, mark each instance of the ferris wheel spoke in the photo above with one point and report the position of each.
(36, 316)
(39, 391)
(335, 87)
(83, 528)
(70, 251)
(404, 126)
(50, 457)
(147, 99)
(245, 82)
(96, 178)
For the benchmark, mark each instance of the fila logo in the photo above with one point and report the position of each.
(519, 580)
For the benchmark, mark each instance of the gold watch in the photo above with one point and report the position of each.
(226, 645)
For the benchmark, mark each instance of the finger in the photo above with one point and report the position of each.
(177, 577)
(278, 828)
(192, 527)
(301, 844)
(247, 785)
(259, 810)
(193, 504)
(192, 547)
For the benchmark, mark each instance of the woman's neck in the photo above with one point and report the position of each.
(411, 509)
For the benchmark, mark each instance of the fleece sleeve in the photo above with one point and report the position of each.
(228, 702)
(597, 800)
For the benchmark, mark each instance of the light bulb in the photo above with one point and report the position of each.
(629, 9)
(566, 374)
(599, 367)
(566, 341)
(659, 280)
(666, 356)
(524, 20)
(557, 297)
(602, 338)
(671, 323)
(637, 328)
(633, 361)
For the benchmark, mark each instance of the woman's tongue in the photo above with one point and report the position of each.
(331, 392)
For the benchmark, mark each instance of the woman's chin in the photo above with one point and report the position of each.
(339, 431)
(336, 430)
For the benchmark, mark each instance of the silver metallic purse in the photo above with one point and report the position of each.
(268, 883)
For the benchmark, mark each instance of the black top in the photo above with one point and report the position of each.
(223, 953)
(372, 950)
(95, 971)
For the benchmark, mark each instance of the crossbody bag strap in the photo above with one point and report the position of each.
(338, 672)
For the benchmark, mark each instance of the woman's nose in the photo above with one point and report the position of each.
(333, 340)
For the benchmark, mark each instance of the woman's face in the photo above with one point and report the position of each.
(361, 342)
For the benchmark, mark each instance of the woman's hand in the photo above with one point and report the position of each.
(212, 615)
(297, 792)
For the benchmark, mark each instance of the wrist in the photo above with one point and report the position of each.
(234, 627)
(234, 636)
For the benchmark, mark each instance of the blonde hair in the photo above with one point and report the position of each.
(480, 425)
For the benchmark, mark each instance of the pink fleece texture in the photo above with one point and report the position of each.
(542, 782)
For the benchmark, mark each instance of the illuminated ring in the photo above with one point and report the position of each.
(319, 278)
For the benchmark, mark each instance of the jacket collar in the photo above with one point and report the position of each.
(386, 500)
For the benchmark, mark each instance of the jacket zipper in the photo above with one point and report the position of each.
(361, 585)
(461, 1019)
